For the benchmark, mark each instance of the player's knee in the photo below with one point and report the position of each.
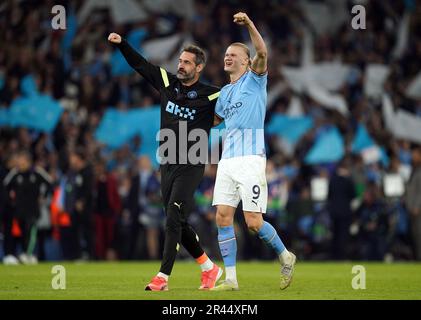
(223, 212)
(223, 218)
(172, 226)
(173, 223)
(254, 225)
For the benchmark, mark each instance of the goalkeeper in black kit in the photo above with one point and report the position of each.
(183, 99)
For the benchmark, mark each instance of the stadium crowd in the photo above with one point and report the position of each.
(98, 202)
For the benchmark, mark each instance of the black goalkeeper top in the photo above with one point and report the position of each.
(190, 106)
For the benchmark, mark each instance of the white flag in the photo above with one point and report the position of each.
(388, 112)
(329, 100)
(295, 109)
(375, 76)
(414, 88)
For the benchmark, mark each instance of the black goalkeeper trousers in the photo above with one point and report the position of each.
(178, 184)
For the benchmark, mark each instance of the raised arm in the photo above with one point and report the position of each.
(155, 75)
(259, 61)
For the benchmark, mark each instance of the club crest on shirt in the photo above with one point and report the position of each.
(192, 95)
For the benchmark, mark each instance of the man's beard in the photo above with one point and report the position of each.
(184, 76)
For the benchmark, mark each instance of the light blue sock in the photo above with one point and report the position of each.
(268, 234)
(227, 245)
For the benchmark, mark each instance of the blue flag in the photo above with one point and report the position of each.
(67, 40)
(111, 130)
(39, 112)
(4, 117)
(384, 158)
(119, 127)
(28, 86)
(329, 147)
(71, 30)
(289, 128)
(362, 139)
(148, 121)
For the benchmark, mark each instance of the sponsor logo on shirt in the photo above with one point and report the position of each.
(182, 112)
(232, 109)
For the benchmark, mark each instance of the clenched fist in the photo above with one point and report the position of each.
(114, 38)
(242, 19)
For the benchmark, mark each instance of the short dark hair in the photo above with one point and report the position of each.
(200, 56)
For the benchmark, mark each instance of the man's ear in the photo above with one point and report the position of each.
(199, 67)
(246, 61)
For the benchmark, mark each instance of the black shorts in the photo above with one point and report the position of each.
(179, 182)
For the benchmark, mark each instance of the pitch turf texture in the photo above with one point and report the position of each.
(258, 280)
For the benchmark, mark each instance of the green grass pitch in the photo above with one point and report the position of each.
(257, 280)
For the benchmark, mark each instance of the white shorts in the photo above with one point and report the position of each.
(242, 178)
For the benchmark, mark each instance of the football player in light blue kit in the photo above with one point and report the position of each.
(241, 170)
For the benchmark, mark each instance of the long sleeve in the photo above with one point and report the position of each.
(155, 75)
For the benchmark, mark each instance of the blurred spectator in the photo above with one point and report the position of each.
(300, 209)
(6, 212)
(341, 193)
(413, 201)
(374, 225)
(106, 209)
(145, 206)
(400, 242)
(277, 200)
(79, 238)
(25, 186)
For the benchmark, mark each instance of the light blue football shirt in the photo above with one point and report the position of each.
(242, 105)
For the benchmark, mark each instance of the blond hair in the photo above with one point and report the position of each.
(244, 47)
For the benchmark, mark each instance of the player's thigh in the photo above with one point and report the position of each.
(225, 191)
(184, 186)
(252, 184)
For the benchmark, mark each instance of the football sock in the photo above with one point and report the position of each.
(285, 257)
(163, 275)
(205, 263)
(228, 247)
(269, 235)
(231, 274)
